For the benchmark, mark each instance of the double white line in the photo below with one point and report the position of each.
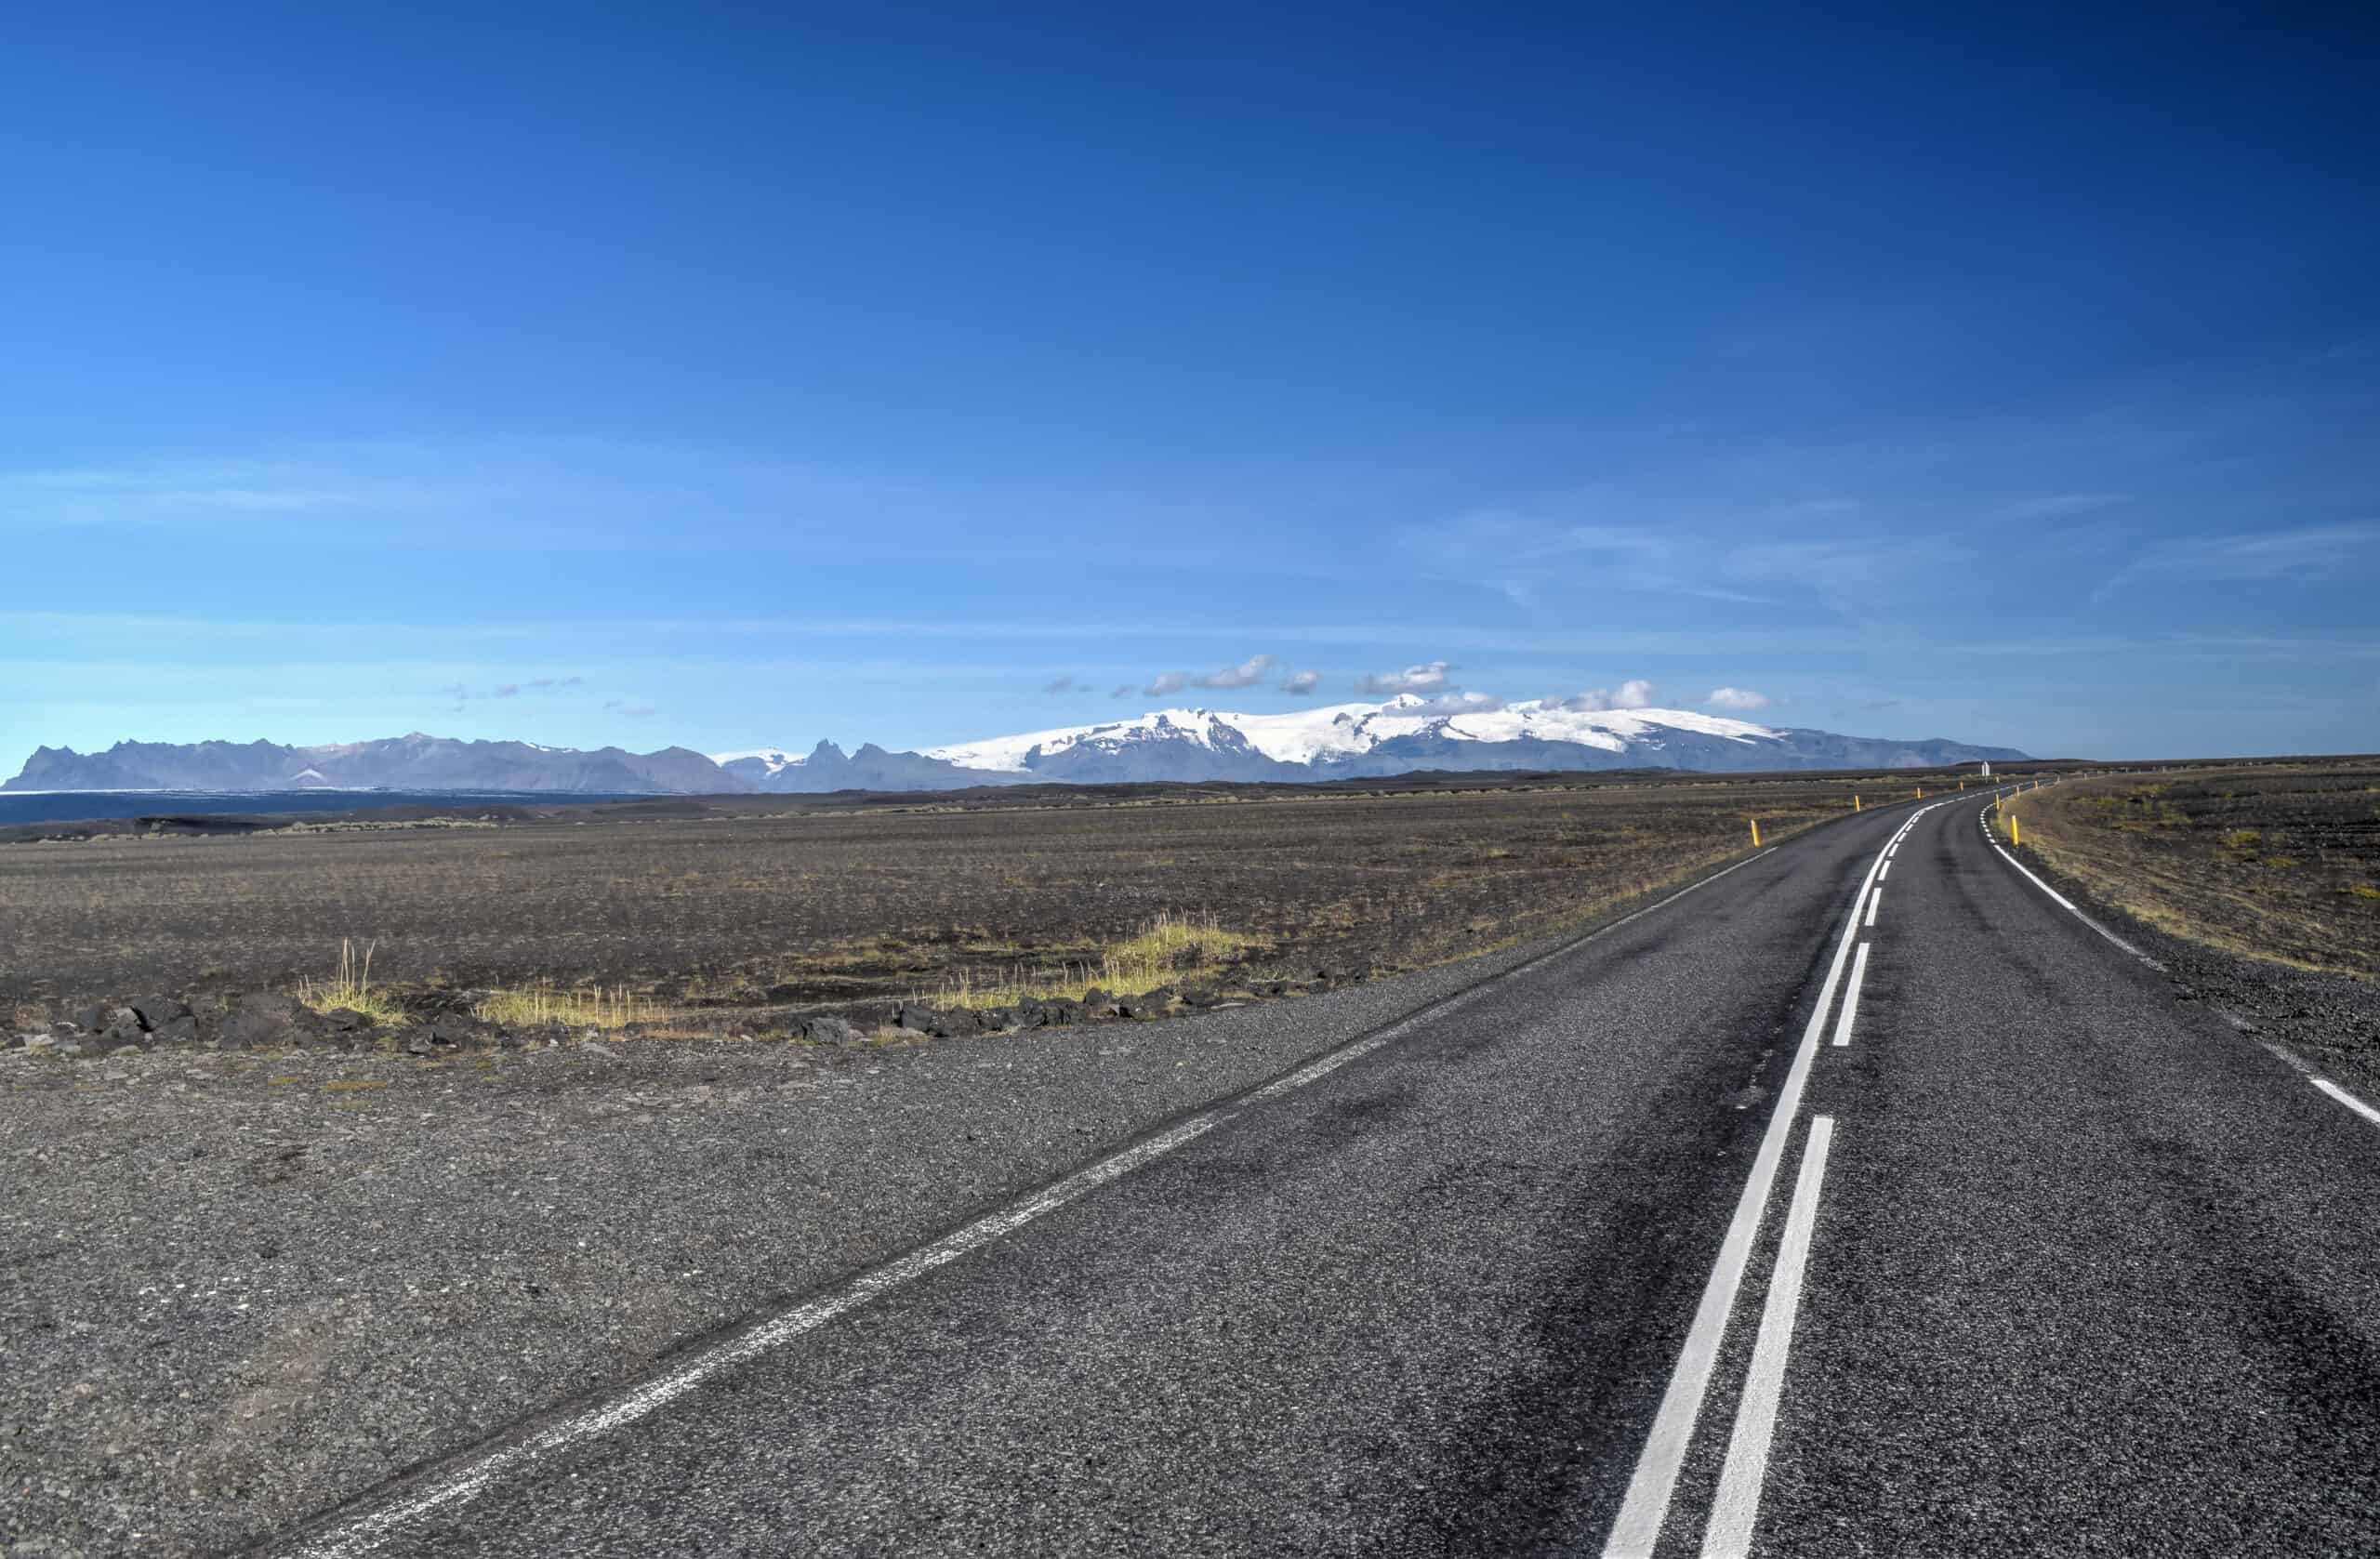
(1733, 1509)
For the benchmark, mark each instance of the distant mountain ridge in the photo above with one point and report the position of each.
(1346, 741)
(410, 762)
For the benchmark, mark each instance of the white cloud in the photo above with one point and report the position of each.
(1431, 678)
(1634, 694)
(1737, 698)
(1301, 683)
(1247, 673)
(1460, 704)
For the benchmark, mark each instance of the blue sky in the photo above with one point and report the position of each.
(737, 375)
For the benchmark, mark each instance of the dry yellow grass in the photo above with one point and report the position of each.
(352, 987)
(607, 1006)
(1164, 949)
(2272, 863)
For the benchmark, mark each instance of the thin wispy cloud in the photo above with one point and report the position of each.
(2330, 550)
(1064, 685)
(2057, 506)
(1737, 699)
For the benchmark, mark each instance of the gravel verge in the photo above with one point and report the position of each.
(242, 1287)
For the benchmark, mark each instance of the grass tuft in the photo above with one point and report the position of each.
(1161, 952)
(352, 987)
(606, 1007)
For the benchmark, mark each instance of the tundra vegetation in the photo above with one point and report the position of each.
(740, 916)
(2272, 861)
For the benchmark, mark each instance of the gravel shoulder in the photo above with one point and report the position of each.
(241, 1288)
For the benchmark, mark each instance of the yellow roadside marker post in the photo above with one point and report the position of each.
(1755, 833)
(1920, 793)
(1854, 803)
(2017, 832)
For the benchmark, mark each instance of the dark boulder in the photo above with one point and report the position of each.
(261, 1019)
(956, 1023)
(828, 1030)
(1149, 1004)
(157, 1012)
(119, 1028)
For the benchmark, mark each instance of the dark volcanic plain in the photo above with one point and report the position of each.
(728, 914)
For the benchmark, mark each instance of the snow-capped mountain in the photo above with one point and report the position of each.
(1340, 737)
(1344, 741)
(1347, 741)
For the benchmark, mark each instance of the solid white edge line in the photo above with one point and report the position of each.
(1875, 902)
(2349, 1099)
(1646, 1504)
(1736, 1504)
(2063, 902)
(367, 1530)
(2342, 1095)
(1851, 997)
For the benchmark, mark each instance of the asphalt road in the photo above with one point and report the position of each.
(1622, 1253)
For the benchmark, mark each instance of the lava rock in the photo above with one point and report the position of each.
(157, 1012)
(1150, 1004)
(828, 1030)
(955, 1023)
(261, 1019)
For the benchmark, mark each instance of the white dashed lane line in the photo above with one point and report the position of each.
(1851, 997)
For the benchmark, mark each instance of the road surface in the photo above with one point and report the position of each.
(1865, 1199)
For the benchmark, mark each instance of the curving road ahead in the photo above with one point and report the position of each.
(1864, 1199)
